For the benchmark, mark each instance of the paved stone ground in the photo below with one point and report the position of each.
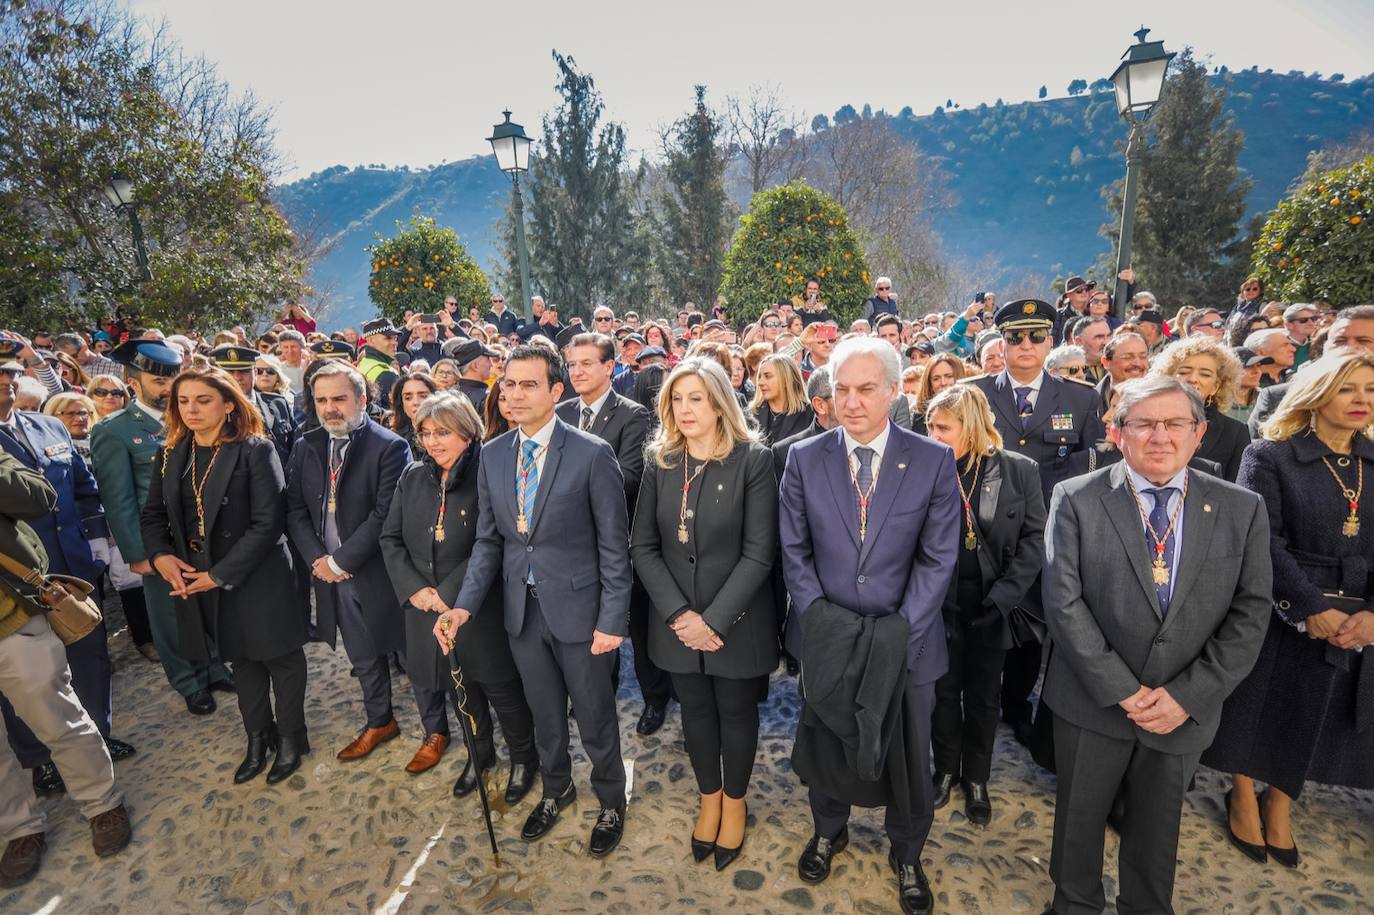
(367, 837)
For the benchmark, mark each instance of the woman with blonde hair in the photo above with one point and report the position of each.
(1214, 372)
(109, 393)
(780, 407)
(704, 539)
(1304, 713)
(941, 372)
(268, 376)
(1001, 551)
(76, 411)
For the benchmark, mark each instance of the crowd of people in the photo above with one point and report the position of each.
(1158, 522)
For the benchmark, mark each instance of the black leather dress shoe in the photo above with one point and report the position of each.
(260, 743)
(650, 721)
(224, 686)
(610, 826)
(290, 749)
(913, 889)
(47, 781)
(520, 781)
(814, 864)
(545, 814)
(467, 781)
(200, 702)
(944, 783)
(977, 804)
(119, 749)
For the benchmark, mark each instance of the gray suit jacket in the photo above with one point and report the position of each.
(578, 544)
(1267, 400)
(1104, 616)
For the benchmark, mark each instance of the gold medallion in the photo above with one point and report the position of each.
(1160, 572)
(522, 524)
(439, 534)
(1351, 527)
(970, 541)
(682, 533)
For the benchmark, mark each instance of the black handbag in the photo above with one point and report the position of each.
(1025, 627)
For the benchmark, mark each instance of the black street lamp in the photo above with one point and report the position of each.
(1138, 81)
(512, 149)
(120, 192)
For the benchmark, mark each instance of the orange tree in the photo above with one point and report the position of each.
(793, 233)
(421, 265)
(1318, 245)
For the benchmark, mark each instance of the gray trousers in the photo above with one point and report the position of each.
(35, 678)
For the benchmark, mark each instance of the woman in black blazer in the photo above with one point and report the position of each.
(1214, 371)
(1306, 711)
(426, 543)
(1002, 546)
(215, 528)
(780, 406)
(704, 539)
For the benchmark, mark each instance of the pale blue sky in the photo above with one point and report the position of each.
(406, 82)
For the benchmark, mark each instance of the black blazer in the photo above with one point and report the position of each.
(1224, 442)
(372, 465)
(415, 560)
(256, 614)
(723, 572)
(774, 427)
(622, 424)
(1010, 526)
(781, 448)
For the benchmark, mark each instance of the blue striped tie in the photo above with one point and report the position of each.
(529, 475)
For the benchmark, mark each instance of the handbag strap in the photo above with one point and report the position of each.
(27, 574)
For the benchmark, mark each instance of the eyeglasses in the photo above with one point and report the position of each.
(772, 325)
(79, 414)
(107, 392)
(263, 370)
(1144, 427)
(1307, 320)
(1017, 337)
(601, 319)
(1075, 369)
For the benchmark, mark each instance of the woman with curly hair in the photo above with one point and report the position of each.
(1214, 372)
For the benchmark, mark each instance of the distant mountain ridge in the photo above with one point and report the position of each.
(1026, 179)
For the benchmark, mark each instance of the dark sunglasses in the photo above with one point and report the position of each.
(1017, 337)
(1075, 369)
(1215, 325)
(1307, 320)
(884, 288)
(267, 371)
(601, 319)
(772, 324)
(106, 392)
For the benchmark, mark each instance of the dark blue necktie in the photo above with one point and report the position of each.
(1023, 404)
(1159, 522)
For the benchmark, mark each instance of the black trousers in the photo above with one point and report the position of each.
(507, 698)
(372, 670)
(720, 719)
(654, 683)
(553, 672)
(1092, 768)
(89, 661)
(908, 836)
(136, 615)
(964, 726)
(1020, 670)
(258, 681)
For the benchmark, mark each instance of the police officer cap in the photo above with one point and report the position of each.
(380, 326)
(1025, 314)
(332, 349)
(151, 356)
(233, 358)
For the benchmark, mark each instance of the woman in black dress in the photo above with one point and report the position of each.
(426, 543)
(215, 528)
(1003, 547)
(1306, 712)
(705, 534)
(780, 406)
(1214, 372)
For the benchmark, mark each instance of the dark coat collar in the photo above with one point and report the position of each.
(1307, 447)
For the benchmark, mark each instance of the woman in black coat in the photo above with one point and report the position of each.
(426, 543)
(215, 528)
(705, 554)
(780, 405)
(1214, 371)
(1306, 711)
(1002, 549)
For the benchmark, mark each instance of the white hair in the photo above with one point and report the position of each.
(1257, 339)
(26, 388)
(881, 280)
(868, 346)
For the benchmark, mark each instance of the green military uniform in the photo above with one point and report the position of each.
(124, 448)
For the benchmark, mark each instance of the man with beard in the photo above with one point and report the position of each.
(124, 448)
(340, 482)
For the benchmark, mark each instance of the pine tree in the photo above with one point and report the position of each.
(694, 223)
(1192, 194)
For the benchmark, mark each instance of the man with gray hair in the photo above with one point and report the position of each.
(882, 302)
(1157, 585)
(1274, 343)
(340, 481)
(1300, 321)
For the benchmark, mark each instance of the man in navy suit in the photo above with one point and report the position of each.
(553, 526)
(869, 521)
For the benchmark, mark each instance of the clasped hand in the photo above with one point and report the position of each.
(182, 578)
(693, 632)
(321, 570)
(1354, 630)
(1154, 710)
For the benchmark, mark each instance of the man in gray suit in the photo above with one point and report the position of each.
(1157, 592)
(553, 525)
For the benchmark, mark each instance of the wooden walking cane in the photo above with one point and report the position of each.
(469, 726)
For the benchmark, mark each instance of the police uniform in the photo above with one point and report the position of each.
(124, 449)
(1047, 422)
(378, 366)
(274, 409)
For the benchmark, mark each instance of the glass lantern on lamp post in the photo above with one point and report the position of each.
(512, 150)
(120, 192)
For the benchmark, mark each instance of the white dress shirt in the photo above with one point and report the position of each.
(879, 445)
(595, 406)
(1146, 502)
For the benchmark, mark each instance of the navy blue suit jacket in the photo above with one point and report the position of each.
(79, 516)
(906, 560)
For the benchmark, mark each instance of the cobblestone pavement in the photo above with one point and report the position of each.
(367, 837)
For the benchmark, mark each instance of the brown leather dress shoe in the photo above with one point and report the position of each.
(429, 754)
(368, 740)
(23, 856)
(111, 832)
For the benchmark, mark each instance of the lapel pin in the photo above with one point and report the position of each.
(901, 467)
(1206, 506)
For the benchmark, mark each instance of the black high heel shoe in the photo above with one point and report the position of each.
(1254, 852)
(701, 850)
(724, 856)
(1288, 857)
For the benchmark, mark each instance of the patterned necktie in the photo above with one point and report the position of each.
(865, 475)
(587, 417)
(1023, 403)
(528, 486)
(1159, 522)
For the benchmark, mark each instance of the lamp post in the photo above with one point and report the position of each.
(512, 149)
(120, 192)
(1138, 81)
